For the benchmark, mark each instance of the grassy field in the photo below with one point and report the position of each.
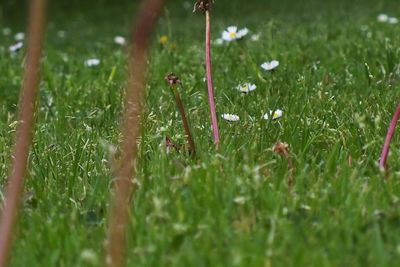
(337, 85)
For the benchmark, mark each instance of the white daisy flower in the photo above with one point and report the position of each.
(232, 33)
(383, 18)
(270, 65)
(6, 31)
(119, 40)
(255, 37)
(393, 20)
(92, 62)
(19, 36)
(246, 88)
(230, 117)
(15, 47)
(275, 114)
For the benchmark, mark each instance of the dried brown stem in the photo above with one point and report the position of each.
(23, 137)
(123, 186)
(185, 123)
(173, 82)
(283, 149)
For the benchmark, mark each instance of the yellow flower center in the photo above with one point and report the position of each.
(232, 35)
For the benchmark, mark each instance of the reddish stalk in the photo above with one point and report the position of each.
(389, 136)
(23, 137)
(173, 82)
(205, 7)
(210, 86)
(123, 185)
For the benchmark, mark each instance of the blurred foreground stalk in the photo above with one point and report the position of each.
(389, 136)
(23, 137)
(123, 185)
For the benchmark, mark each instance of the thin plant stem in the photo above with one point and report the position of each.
(23, 137)
(186, 127)
(389, 136)
(123, 185)
(210, 86)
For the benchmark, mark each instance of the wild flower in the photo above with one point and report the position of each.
(255, 37)
(15, 47)
(246, 87)
(393, 20)
(119, 40)
(230, 117)
(19, 36)
(173, 45)
(163, 39)
(232, 33)
(92, 62)
(383, 18)
(386, 19)
(274, 114)
(271, 65)
(6, 31)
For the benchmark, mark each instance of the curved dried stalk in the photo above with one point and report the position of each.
(173, 81)
(123, 186)
(23, 137)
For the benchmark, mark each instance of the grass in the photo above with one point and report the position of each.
(337, 85)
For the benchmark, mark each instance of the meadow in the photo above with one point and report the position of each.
(336, 85)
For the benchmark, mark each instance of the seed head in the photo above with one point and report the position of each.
(281, 148)
(203, 5)
(172, 79)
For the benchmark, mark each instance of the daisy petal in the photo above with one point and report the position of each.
(270, 65)
(230, 117)
(92, 62)
(274, 114)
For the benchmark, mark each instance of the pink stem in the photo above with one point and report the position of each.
(389, 136)
(23, 137)
(214, 122)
